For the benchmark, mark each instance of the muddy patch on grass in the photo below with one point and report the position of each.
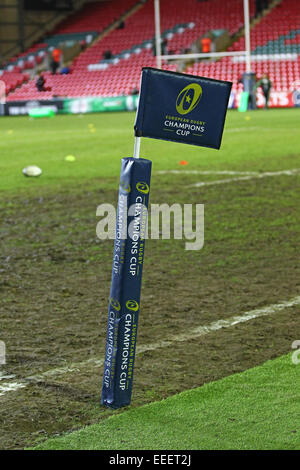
(55, 280)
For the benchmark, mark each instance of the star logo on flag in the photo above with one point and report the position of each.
(185, 98)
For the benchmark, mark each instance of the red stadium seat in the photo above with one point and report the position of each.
(122, 77)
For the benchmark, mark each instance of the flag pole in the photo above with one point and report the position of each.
(137, 146)
(157, 34)
(247, 35)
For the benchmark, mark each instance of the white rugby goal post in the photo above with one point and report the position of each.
(246, 53)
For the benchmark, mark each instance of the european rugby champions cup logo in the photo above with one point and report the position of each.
(132, 305)
(115, 304)
(188, 98)
(125, 187)
(142, 187)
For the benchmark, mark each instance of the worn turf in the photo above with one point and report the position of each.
(256, 409)
(55, 273)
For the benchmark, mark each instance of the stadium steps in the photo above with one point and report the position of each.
(28, 59)
(255, 21)
(72, 36)
(110, 28)
(56, 39)
(265, 12)
(44, 29)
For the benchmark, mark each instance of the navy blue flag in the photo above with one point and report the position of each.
(182, 108)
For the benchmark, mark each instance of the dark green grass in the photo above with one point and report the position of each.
(257, 409)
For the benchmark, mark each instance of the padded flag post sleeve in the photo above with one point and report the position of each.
(124, 304)
(182, 108)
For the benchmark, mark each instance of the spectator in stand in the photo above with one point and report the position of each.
(164, 49)
(266, 85)
(260, 5)
(135, 91)
(121, 25)
(107, 55)
(83, 44)
(55, 62)
(40, 83)
(205, 44)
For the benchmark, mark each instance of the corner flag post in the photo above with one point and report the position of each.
(168, 109)
(247, 35)
(125, 292)
(157, 34)
(137, 146)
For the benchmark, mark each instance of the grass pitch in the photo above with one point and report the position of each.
(257, 409)
(55, 273)
(255, 141)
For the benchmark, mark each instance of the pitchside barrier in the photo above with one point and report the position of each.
(176, 107)
(84, 105)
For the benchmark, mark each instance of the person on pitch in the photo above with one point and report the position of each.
(266, 85)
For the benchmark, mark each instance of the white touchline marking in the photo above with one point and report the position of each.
(194, 333)
(11, 387)
(206, 172)
(5, 377)
(243, 129)
(253, 128)
(246, 178)
(219, 324)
